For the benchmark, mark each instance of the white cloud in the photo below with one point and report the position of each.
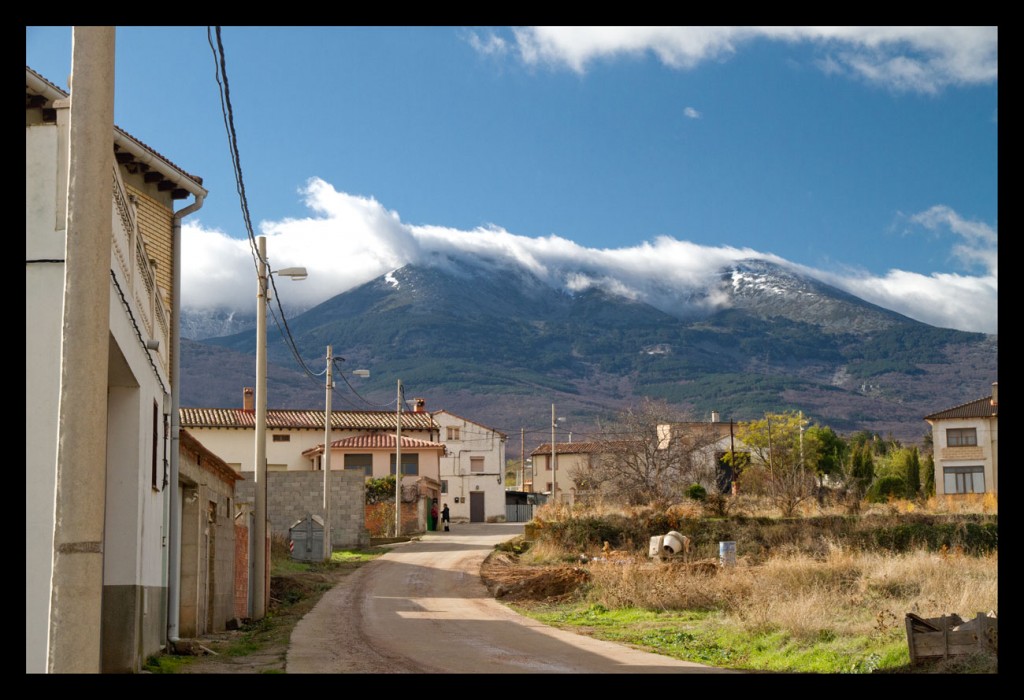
(918, 59)
(349, 240)
(691, 113)
(980, 241)
(943, 300)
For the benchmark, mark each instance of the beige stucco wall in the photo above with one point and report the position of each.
(985, 453)
(237, 446)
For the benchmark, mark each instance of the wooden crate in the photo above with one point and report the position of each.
(946, 636)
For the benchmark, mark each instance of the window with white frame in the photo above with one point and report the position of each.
(961, 437)
(963, 479)
(476, 465)
(453, 433)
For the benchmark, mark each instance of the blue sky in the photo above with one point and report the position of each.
(639, 159)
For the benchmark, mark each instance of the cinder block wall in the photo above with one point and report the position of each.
(292, 496)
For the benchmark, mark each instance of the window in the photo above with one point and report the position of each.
(410, 464)
(961, 437)
(156, 437)
(364, 462)
(453, 433)
(476, 464)
(444, 486)
(282, 438)
(963, 479)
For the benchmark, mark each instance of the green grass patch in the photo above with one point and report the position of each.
(705, 638)
(166, 663)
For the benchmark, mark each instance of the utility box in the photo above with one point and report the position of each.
(306, 539)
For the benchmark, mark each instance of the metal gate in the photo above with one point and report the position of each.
(518, 512)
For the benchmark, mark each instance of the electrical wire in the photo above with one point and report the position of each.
(227, 111)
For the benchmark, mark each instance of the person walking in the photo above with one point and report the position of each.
(445, 517)
(432, 525)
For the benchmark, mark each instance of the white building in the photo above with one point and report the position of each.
(101, 285)
(473, 470)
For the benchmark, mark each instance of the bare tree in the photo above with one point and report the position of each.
(640, 462)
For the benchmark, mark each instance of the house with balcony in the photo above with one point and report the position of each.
(965, 440)
(103, 214)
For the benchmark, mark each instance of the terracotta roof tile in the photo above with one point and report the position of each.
(378, 441)
(281, 419)
(979, 408)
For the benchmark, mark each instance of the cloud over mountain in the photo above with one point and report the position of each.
(348, 240)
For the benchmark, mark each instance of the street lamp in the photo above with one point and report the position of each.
(326, 461)
(259, 605)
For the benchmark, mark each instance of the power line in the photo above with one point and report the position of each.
(221, 76)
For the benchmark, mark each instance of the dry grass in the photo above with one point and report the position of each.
(843, 594)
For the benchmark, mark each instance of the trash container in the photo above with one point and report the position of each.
(306, 538)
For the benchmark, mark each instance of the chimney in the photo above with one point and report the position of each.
(420, 405)
(247, 399)
(714, 416)
(995, 393)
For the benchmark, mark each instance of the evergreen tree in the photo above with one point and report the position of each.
(863, 466)
(913, 476)
(928, 488)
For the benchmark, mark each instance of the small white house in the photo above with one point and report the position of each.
(473, 470)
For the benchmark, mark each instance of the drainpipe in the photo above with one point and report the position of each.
(174, 526)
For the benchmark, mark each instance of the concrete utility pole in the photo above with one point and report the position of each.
(398, 463)
(328, 546)
(76, 586)
(259, 595)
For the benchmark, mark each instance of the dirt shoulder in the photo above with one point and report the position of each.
(263, 647)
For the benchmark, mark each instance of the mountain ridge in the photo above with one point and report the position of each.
(500, 346)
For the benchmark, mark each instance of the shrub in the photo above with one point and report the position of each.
(696, 492)
(886, 488)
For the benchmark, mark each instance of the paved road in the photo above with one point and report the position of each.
(422, 608)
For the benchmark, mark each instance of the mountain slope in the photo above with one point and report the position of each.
(500, 346)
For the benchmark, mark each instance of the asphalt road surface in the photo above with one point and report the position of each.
(422, 608)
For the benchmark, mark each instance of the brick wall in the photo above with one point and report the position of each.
(242, 567)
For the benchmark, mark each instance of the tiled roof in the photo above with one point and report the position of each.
(582, 448)
(979, 408)
(53, 92)
(280, 419)
(379, 441)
